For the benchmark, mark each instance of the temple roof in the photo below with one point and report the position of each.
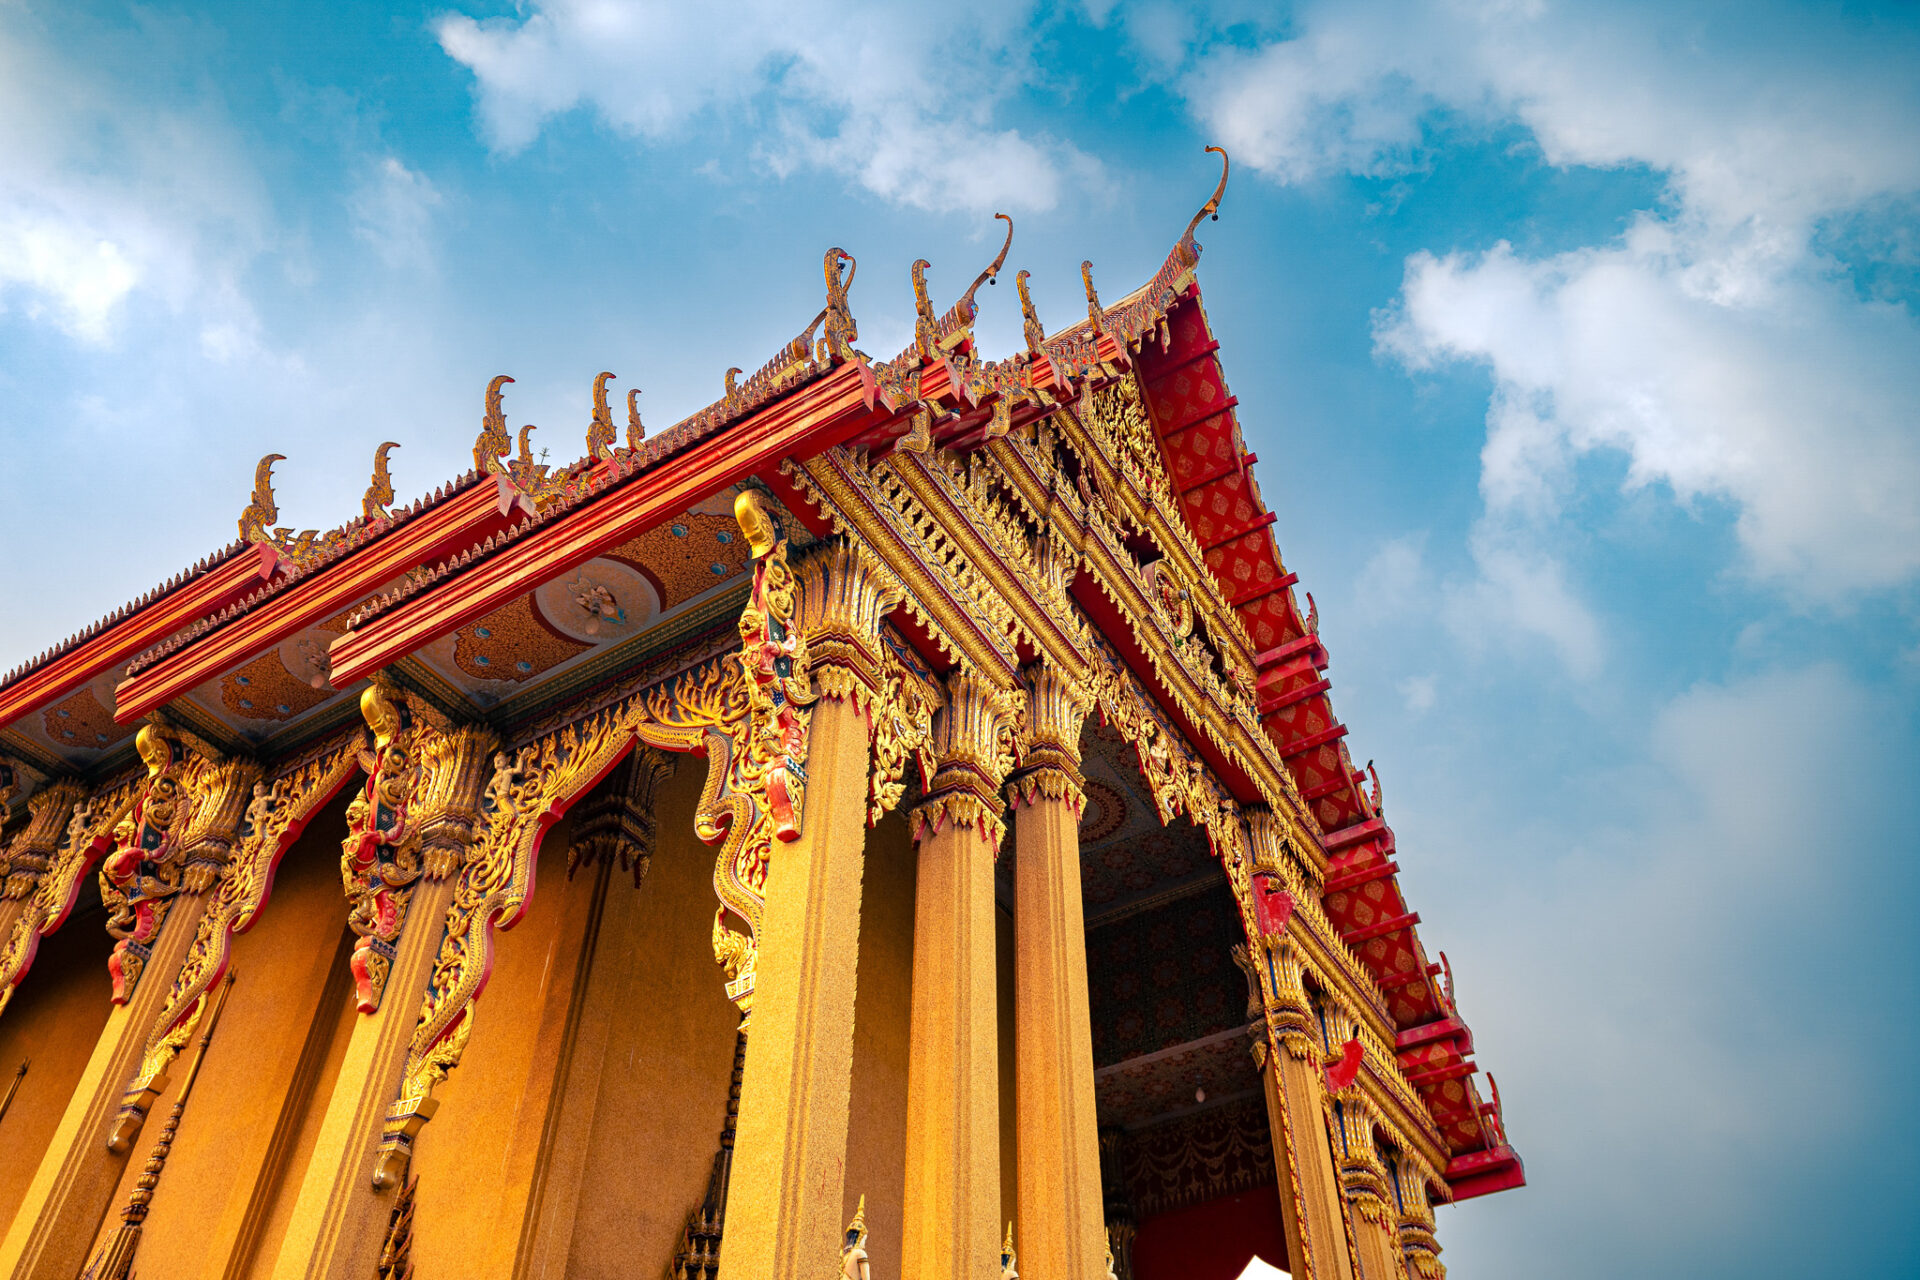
(260, 643)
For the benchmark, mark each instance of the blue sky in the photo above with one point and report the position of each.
(1578, 344)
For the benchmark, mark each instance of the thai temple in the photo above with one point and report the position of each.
(892, 824)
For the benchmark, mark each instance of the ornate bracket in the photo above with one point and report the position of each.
(89, 836)
(973, 744)
(176, 836)
(275, 816)
(380, 858)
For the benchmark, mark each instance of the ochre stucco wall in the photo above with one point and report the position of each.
(258, 1075)
(883, 999)
(471, 1159)
(53, 1019)
(643, 1122)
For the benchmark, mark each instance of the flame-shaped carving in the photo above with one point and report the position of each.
(1096, 315)
(636, 430)
(1030, 319)
(841, 332)
(380, 492)
(600, 433)
(261, 512)
(494, 441)
(926, 331)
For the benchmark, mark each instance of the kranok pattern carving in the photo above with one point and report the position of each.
(142, 872)
(89, 834)
(380, 858)
(276, 814)
(748, 711)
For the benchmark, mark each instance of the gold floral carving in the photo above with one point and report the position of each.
(1056, 709)
(747, 711)
(89, 834)
(1198, 1158)
(276, 814)
(903, 714)
(972, 748)
(380, 857)
(31, 852)
(175, 836)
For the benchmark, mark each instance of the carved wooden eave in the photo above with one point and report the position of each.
(948, 469)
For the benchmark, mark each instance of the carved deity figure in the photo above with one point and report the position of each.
(139, 876)
(853, 1253)
(380, 858)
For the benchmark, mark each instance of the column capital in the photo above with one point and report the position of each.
(416, 816)
(174, 838)
(32, 850)
(973, 749)
(1362, 1176)
(1057, 707)
(844, 592)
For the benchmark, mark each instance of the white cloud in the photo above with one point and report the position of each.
(1419, 692)
(101, 199)
(1712, 343)
(1677, 968)
(391, 209)
(876, 92)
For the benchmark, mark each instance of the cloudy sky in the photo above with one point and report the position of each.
(1578, 343)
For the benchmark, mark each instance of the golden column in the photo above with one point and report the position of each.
(789, 1162)
(952, 1209)
(340, 1217)
(1297, 1114)
(1415, 1220)
(1363, 1176)
(187, 812)
(1059, 1222)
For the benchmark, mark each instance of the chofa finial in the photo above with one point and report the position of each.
(380, 492)
(841, 332)
(1212, 207)
(600, 433)
(992, 274)
(494, 442)
(261, 512)
(636, 430)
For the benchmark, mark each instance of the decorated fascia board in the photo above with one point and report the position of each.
(255, 624)
(216, 582)
(1212, 474)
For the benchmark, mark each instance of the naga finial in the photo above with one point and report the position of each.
(992, 274)
(926, 330)
(1212, 207)
(600, 432)
(494, 441)
(1036, 334)
(1096, 316)
(380, 492)
(261, 512)
(636, 430)
(1373, 773)
(733, 384)
(841, 332)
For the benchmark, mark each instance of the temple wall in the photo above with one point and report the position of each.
(476, 1159)
(654, 1057)
(257, 1079)
(883, 1002)
(53, 1019)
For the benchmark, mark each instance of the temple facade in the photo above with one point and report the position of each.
(890, 824)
